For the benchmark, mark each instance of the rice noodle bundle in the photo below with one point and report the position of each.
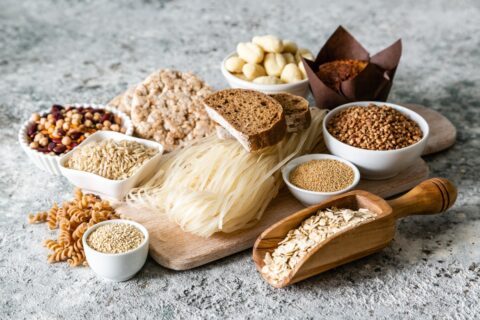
(215, 185)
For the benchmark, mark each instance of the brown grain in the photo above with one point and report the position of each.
(374, 128)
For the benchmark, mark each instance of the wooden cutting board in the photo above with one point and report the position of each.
(178, 250)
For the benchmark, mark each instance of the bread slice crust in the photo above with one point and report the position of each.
(256, 120)
(297, 111)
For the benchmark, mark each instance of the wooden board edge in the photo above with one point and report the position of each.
(198, 261)
(450, 140)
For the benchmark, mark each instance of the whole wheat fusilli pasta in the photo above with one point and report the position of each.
(72, 219)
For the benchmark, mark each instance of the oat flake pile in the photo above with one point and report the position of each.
(314, 230)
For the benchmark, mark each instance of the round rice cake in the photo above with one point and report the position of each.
(168, 108)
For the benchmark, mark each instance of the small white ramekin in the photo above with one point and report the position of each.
(107, 188)
(377, 164)
(307, 197)
(299, 88)
(50, 163)
(116, 266)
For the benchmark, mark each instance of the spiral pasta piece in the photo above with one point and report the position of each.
(65, 237)
(62, 213)
(79, 231)
(80, 216)
(78, 245)
(52, 245)
(61, 254)
(39, 217)
(52, 217)
(76, 259)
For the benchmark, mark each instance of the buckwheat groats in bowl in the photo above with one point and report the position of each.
(380, 138)
(374, 127)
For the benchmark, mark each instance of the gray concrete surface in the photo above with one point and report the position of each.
(76, 51)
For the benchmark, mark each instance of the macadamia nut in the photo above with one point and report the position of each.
(240, 76)
(250, 52)
(274, 64)
(269, 43)
(253, 70)
(289, 46)
(268, 80)
(291, 73)
(289, 58)
(302, 68)
(234, 64)
(303, 53)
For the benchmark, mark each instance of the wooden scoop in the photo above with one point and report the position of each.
(431, 196)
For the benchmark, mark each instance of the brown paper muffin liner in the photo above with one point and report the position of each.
(372, 83)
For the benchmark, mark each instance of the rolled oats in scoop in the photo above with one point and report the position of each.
(312, 232)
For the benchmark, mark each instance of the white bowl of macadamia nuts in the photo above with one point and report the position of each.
(51, 133)
(381, 139)
(267, 64)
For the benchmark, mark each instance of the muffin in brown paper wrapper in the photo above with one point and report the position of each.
(372, 83)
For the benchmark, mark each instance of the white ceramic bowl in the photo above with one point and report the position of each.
(377, 164)
(50, 163)
(299, 88)
(116, 266)
(107, 188)
(307, 197)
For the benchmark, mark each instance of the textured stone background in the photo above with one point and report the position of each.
(76, 51)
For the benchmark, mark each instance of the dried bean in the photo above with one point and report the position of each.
(59, 149)
(49, 133)
(51, 145)
(75, 135)
(31, 129)
(105, 117)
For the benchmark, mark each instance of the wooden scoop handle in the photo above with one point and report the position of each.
(429, 197)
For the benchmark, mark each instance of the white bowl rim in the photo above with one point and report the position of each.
(22, 133)
(319, 156)
(146, 236)
(65, 156)
(257, 86)
(399, 108)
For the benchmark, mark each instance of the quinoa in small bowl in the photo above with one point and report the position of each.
(116, 249)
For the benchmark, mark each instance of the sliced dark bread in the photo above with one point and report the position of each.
(253, 118)
(297, 112)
